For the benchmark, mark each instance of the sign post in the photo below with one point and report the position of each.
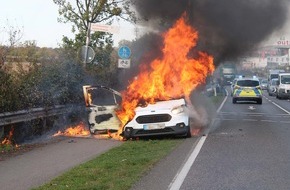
(124, 53)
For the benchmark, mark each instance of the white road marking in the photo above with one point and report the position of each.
(251, 108)
(271, 121)
(180, 176)
(250, 120)
(281, 108)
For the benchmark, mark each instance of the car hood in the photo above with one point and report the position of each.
(161, 105)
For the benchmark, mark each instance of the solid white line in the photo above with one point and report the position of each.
(179, 178)
(281, 108)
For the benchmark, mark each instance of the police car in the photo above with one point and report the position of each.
(247, 89)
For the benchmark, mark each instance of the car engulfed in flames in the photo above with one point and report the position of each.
(155, 101)
(161, 118)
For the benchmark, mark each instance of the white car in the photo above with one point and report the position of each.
(162, 118)
(101, 103)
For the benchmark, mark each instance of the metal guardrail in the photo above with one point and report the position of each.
(35, 113)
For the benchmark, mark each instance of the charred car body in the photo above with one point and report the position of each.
(162, 118)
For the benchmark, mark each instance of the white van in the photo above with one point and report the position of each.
(283, 85)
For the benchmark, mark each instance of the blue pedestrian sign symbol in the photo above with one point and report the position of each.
(124, 52)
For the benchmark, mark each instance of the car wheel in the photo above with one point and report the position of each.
(127, 134)
(188, 134)
(234, 100)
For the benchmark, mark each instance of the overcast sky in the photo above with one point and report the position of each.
(38, 21)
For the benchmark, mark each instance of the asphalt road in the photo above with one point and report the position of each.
(42, 164)
(247, 147)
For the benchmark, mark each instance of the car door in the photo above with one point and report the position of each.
(101, 104)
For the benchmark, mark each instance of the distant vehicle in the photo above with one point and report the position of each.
(283, 86)
(247, 89)
(228, 72)
(274, 73)
(272, 87)
(162, 118)
(233, 83)
(264, 84)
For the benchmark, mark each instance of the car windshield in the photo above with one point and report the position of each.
(274, 82)
(249, 83)
(285, 79)
(264, 82)
(103, 97)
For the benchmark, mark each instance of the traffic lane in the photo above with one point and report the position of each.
(162, 174)
(243, 107)
(42, 164)
(242, 155)
(284, 103)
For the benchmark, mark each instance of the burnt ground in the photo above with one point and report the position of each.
(12, 150)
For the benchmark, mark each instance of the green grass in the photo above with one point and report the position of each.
(6, 148)
(117, 169)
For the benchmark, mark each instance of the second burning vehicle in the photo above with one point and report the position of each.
(162, 118)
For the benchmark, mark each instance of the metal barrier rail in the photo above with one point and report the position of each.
(35, 113)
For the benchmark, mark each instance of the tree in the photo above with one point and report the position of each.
(82, 13)
(14, 35)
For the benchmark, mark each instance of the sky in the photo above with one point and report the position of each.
(37, 19)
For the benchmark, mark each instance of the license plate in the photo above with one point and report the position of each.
(247, 90)
(154, 126)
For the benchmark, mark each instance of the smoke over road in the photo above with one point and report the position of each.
(227, 28)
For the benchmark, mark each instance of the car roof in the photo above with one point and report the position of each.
(255, 79)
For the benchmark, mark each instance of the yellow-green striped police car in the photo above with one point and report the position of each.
(247, 89)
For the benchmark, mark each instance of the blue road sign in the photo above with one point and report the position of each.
(124, 52)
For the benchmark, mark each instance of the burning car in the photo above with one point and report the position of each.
(101, 103)
(161, 118)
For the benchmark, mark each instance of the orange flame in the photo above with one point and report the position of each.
(9, 139)
(78, 130)
(175, 75)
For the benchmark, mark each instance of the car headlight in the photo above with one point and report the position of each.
(178, 109)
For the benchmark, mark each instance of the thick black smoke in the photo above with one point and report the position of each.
(227, 28)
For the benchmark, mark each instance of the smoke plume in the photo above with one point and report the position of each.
(227, 28)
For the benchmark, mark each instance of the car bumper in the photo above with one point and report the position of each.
(284, 95)
(179, 129)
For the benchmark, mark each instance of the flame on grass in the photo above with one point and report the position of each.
(9, 139)
(78, 130)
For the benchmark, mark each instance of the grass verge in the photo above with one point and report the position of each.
(117, 169)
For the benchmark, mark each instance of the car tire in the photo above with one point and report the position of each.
(234, 101)
(259, 101)
(127, 134)
(188, 134)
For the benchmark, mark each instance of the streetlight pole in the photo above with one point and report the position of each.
(87, 43)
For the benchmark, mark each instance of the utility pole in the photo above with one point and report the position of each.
(87, 43)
